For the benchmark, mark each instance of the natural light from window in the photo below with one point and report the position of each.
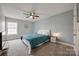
(12, 28)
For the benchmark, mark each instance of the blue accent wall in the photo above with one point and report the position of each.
(62, 23)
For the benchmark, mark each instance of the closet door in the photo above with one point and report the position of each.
(76, 28)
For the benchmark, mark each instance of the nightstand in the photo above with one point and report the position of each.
(53, 39)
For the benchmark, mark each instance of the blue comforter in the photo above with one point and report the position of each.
(35, 39)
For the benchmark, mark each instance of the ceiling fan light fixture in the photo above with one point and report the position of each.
(30, 17)
(32, 13)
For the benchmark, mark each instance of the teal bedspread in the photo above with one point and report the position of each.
(35, 39)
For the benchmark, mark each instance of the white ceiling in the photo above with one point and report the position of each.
(44, 10)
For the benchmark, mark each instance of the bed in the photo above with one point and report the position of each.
(36, 39)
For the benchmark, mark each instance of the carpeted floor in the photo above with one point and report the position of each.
(53, 49)
(17, 48)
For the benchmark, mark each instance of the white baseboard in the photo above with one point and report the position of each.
(65, 43)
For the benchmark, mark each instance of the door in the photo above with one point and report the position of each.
(76, 29)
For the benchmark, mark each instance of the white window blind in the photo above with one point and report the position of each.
(12, 28)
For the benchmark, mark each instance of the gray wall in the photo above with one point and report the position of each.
(1, 18)
(24, 27)
(62, 23)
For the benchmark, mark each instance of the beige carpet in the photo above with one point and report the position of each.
(17, 48)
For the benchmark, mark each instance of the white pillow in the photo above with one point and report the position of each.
(44, 32)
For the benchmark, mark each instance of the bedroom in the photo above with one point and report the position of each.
(51, 24)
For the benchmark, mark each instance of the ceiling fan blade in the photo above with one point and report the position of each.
(26, 13)
(27, 16)
(36, 16)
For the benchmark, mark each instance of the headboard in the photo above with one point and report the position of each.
(44, 32)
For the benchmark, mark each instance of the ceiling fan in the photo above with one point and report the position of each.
(31, 14)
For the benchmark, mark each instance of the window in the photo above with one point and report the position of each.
(3, 25)
(11, 28)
